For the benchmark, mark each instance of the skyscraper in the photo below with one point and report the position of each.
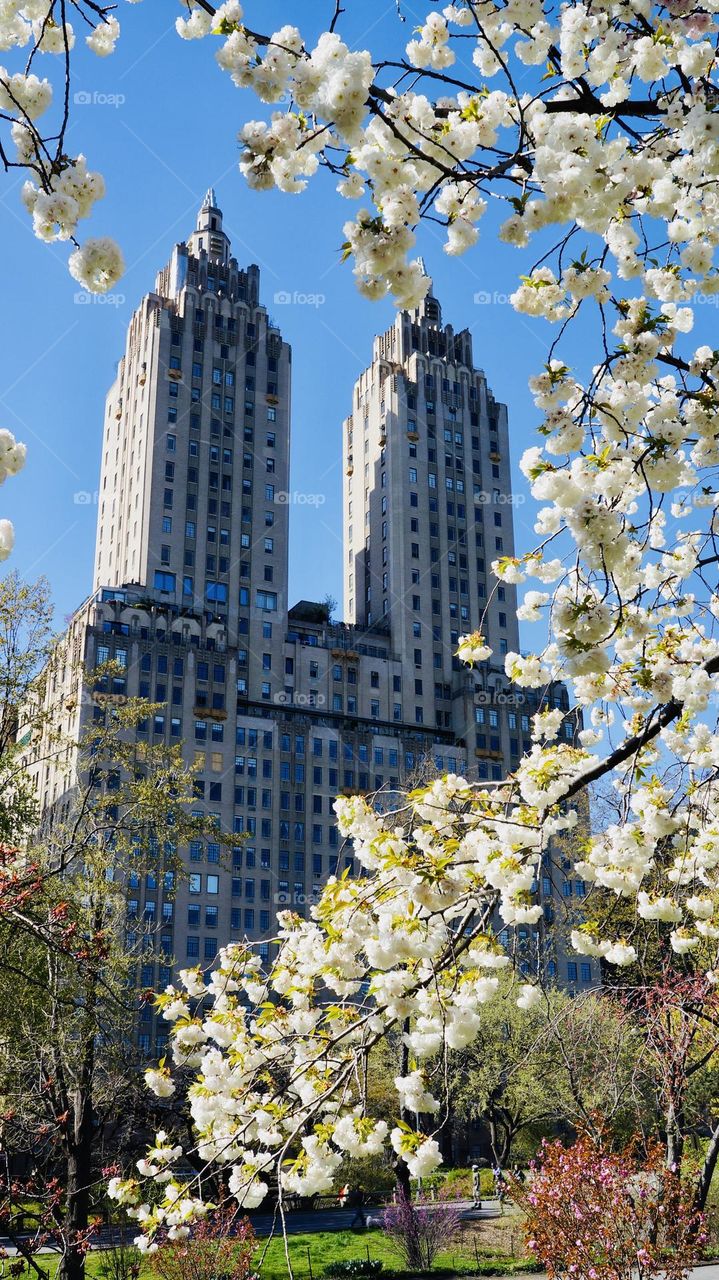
(428, 507)
(279, 708)
(196, 447)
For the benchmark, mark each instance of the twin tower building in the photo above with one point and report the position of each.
(282, 707)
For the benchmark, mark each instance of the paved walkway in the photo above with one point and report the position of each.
(298, 1222)
(341, 1219)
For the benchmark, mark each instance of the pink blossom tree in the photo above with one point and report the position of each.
(595, 1214)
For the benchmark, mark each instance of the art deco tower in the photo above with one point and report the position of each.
(196, 446)
(428, 506)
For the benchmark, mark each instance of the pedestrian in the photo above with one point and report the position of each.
(476, 1187)
(500, 1187)
(356, 1201)
(343, 1195)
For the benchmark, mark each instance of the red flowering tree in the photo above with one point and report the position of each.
(594, 1214)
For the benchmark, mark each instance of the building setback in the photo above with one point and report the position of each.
(282, 708)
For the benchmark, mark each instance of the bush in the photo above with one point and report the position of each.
(354, 1267)
(598, 1214)
(120, 1260)
(420, 1231)
(220, 1247)
(457, 1184)
(374, 1173)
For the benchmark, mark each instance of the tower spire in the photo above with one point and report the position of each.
(208, 235)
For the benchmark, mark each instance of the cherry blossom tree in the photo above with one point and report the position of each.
(604, 156)
(600, 1215)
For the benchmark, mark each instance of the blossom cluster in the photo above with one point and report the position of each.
(569, 150)
(62, 190)
(12, 460)
(409, 946)
(602, 1214)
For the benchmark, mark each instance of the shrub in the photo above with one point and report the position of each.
(457, 1183)
(420, 1230)
(602, 1215)
(354, 1267)
(220, 1247)
(374, 1173)
(120, 1260)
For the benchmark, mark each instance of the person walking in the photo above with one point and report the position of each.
(476, 1187)
(356, 1201)
(500, 1187)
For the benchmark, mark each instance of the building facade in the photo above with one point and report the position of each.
(281, 708)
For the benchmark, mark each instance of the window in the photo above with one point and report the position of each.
(213, 884)
(266, 600)
(164, 581)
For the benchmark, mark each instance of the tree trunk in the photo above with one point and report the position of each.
(492, 1127)
(79, 1148)
(675, 1137)
(401, 1172)
(404, 1185)
(506, 1147)
(707, 1171)
(499, 1136)
(77, 1195)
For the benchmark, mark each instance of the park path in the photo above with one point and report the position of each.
(298, 1222)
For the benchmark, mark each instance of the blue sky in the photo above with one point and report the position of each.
(161, 124)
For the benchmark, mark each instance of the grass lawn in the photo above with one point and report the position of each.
(492, 1248)
(311, 1254)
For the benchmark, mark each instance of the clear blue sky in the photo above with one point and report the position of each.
(174, 134)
